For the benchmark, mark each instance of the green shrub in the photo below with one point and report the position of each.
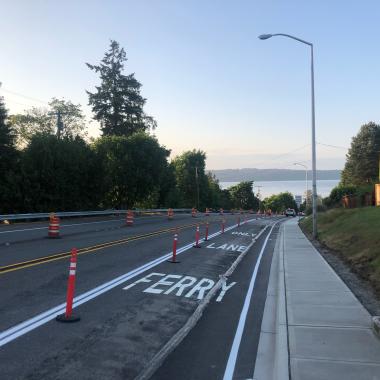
(338, 192)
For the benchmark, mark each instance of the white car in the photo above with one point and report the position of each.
(290, 212)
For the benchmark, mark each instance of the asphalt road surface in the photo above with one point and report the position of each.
(131, 300)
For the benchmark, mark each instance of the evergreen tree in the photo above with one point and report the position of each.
(60, 174)
(242, 196)
(6, 133)
(280, 202)
(117, 103)
(362, 164)
(132, 169)
(191, 179)
(8, 164)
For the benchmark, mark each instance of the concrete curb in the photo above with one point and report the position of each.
(376, 326)
(281, 360)
(176, 339)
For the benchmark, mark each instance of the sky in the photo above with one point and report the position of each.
(210, 83)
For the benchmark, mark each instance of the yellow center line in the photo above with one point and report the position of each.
(90, 249)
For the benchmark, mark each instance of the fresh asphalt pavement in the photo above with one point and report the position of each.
(82, 232)
(122, 329)
(208, 351)
(31, 290)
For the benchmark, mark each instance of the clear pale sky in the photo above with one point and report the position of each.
(209, 82)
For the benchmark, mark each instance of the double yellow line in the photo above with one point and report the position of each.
(82, 251)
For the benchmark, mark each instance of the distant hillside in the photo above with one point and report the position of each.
(249, 174)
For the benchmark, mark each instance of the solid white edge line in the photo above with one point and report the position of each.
(67, 225)
(40, 319)
(78, 224)
(230, 367)
(62, 225)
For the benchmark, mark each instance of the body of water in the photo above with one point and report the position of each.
(269, 188)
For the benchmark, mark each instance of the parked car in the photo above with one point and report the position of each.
(290, 212)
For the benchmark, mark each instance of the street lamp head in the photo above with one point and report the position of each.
(265, 36)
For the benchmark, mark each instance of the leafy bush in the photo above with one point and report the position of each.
(337, 193)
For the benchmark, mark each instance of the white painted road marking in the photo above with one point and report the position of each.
(181, 285)
(228, 247)
(163, 282)
(243, 234)
(62, 225)
(24, 327)
(230, 367)
(76, 224)
(225, 287)
(143, 279)
(198, 287)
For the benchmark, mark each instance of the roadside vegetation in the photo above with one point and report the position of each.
(279, 202)
(348, 221)
(353, 234)
(48, 162)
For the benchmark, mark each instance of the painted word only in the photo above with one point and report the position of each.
(243, 234)
(179, 285)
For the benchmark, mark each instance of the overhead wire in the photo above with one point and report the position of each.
(333, 146)
(23, 96)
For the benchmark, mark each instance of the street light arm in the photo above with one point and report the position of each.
(297, 163)
(292, 37)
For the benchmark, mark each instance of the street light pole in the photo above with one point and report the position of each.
(313, 149)
(259, 195)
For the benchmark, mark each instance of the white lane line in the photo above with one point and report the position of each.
(230, 368)
(40, 319)
(62, 225)
(27, 229)
(72, 225)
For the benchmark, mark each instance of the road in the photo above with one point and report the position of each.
(133, 303)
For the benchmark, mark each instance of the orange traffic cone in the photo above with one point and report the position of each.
(129, 219)
(53, 231)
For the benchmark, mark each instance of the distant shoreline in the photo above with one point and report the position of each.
(287, 180)
(253, 174)
(295, 187)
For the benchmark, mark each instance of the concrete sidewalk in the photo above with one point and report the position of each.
(321, 329)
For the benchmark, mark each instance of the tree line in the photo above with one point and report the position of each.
(48, 163)
(362, 167)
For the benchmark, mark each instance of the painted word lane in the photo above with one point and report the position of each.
(228, 247)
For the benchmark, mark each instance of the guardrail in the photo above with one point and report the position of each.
(68, 214)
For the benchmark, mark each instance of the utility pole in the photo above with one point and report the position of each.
(306, 195)
(259, 195)
(197, 182)
(59, 124)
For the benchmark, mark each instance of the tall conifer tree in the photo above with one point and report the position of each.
(117, 103)
(8, 161)
(362, 164)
